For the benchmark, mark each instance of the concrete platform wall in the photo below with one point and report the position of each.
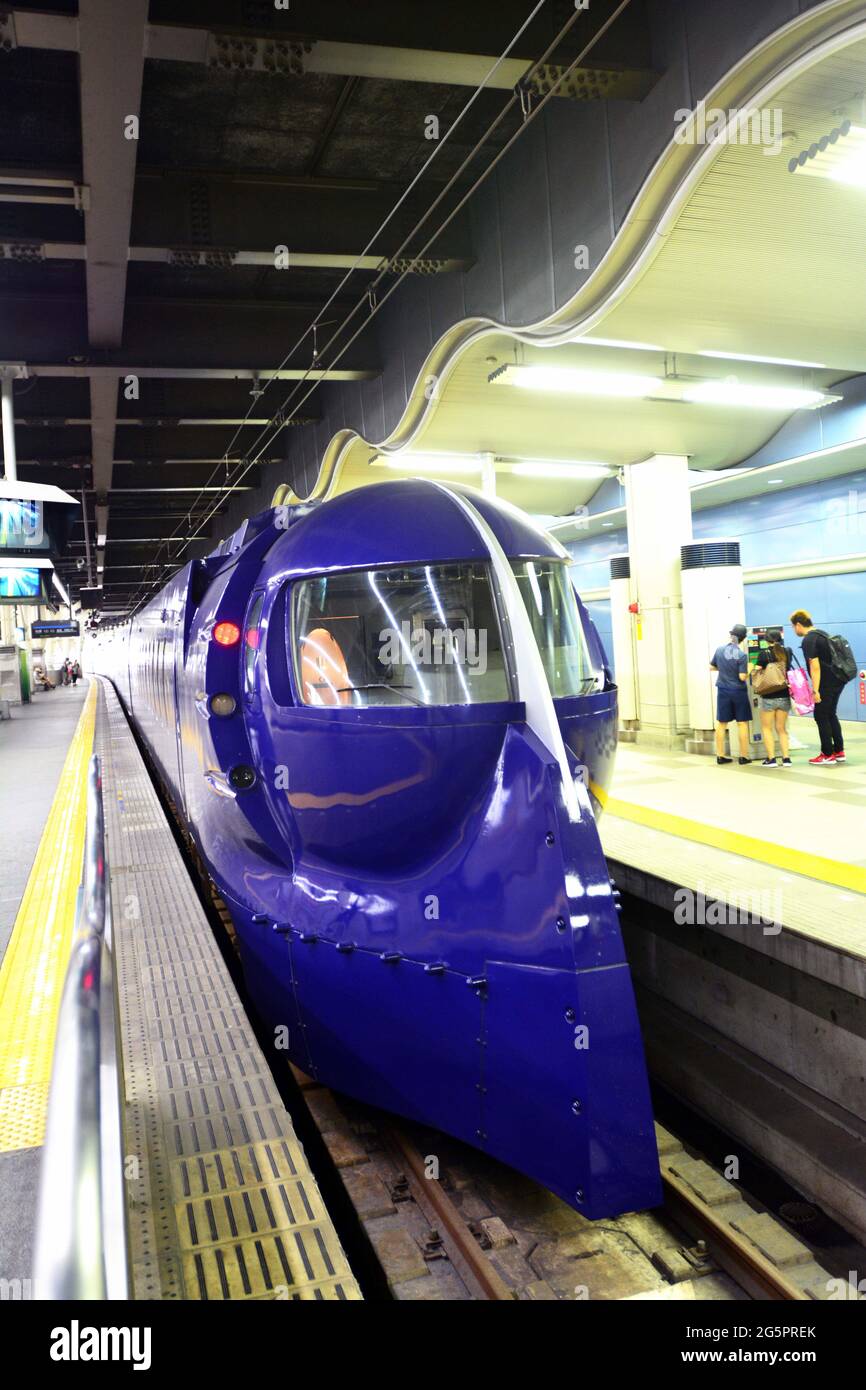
(763, 1032)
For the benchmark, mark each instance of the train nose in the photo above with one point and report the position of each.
(383, 796)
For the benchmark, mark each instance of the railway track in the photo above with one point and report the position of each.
(446, 1222)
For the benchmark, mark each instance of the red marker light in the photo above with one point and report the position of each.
(253, 638)
(227, 634)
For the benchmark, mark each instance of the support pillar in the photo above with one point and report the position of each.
(623, 634)
(10, 458)
(713, 601)
(659, 520)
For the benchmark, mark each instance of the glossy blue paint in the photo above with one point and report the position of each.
(414, 902)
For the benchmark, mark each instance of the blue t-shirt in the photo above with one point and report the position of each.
(729, 661)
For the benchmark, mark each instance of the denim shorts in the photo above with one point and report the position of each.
(733, 704)
(774, 702)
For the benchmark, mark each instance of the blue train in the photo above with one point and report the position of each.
(388, 722)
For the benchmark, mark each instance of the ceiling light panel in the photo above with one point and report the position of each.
(575, 381)
(840, 155)
(741, 393)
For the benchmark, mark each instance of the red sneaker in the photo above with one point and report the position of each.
(823, 758)
(839, 758)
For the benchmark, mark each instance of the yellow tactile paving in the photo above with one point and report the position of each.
(225, 1205)
(747, 846)
(33, 969)
(805, 821)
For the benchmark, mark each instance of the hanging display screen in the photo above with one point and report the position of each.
(20, 584)
(21, 525)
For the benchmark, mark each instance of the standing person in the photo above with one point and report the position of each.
(774, 704)
(76, 673)
(826, 687)
(732, 698)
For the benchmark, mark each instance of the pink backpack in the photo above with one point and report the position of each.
(800, 690)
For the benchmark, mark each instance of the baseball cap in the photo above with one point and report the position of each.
(738, 631)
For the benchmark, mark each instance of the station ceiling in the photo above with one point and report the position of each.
(150, 251)
(154, 256)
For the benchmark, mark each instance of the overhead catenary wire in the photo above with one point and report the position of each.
(280, 416)
(316, 321)
(418, 255)
(438, 146)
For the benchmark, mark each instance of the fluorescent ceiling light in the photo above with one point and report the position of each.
(100, 538)
(840, 156)
(742, 393)
(775, 482)
(26, 562)
(622, 343)
(429, 463)
(59, 587)
(753, 357)
(553, 468)
(575, 381)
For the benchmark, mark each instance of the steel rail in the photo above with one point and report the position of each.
(464, 1252)
(81, 1235)
(757, 1275)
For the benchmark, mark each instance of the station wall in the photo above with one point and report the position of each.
(819, 520)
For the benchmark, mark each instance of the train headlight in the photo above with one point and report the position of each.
(242, 777)
(223, 704)
(227, 634)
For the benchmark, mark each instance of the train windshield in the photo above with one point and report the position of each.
(553, 612)
(405, 635)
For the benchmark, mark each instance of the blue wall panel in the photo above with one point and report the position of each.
(599, 611)
(779, 527)
(837, 603)
(788, 524)
(590, 567)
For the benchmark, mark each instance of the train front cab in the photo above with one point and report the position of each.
(446, 944)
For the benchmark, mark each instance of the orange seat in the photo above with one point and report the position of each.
(324, 675)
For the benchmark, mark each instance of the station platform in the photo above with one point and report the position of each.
(220, 1200)
(793, 834)
(746, 935)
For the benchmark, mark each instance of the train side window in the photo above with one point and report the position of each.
(252, 638)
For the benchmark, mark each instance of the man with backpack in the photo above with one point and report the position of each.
(831, 665)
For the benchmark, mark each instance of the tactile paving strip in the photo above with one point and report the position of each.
(34, 967)
(222, 1203)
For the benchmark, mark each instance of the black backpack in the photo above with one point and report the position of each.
(843, 665)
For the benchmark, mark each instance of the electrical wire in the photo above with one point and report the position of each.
(280, 416)
(315, 322)
(311, 327)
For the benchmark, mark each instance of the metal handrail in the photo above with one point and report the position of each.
(81, 1235)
